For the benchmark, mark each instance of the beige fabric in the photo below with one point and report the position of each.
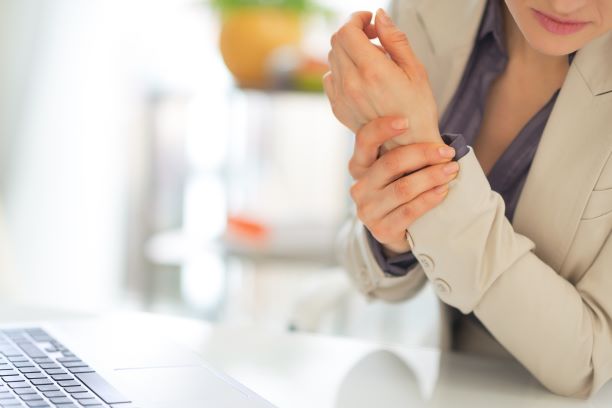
(543, 284)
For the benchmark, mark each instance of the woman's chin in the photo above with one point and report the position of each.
(551, 45)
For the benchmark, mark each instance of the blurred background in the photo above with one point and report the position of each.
(179, 156)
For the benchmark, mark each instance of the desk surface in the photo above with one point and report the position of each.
(301, 370)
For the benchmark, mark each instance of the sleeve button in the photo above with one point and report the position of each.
(441, 287)
(426, 262)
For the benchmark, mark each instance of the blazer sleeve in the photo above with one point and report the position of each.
(358, 260)
(560, 332)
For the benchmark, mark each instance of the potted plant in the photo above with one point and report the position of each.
(252, 30)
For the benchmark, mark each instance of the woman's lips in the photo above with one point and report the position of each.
(555, 26)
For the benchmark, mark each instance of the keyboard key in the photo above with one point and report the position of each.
(31, 350)
(71, 364)
(17, 359)
(83, 395)
(19, 384)
(54, 371)
(54, 394)
(26, 370)
(42, 360)
(33, 376)
(61, 400)
(10, 351)
(101, 388)
(62, 377)
(76, 370)
(48, 388)
(26, 390)
(41, 381)
(23, 364)
(77, 389)
(90, 403)
(37, 404)
(13, 378)
(30, 397)
(68, 383)
(47, 366)
(8, 371)
(68, 359)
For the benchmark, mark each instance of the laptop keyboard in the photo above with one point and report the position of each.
(38, 371)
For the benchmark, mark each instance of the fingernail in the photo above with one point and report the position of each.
(451, 168)
(384, 17)
(446, 151)
(399, 124)
(443, 189)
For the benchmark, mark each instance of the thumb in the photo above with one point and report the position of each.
(394, 41)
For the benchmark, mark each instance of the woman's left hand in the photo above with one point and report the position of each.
(365, 83)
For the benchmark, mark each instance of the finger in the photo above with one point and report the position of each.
(395, 42)
(370, 138)
(370, 31)
(411, 186)
(360, 19)
(353, 38)
(328, 86)
(405, 159)
(336, 71)
(392, 228)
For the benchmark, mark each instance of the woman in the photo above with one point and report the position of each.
(514, 230)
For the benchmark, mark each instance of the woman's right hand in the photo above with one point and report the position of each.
(388, 199)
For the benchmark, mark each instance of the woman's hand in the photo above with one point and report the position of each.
(365, 82)
(389, 201)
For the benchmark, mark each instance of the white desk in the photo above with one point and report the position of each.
(297, 370)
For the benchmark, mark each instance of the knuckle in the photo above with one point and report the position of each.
(356, 187)
(343, 33)
(334, 39)
(398, 36)
(407, 212)
(390, 163)
(364, 213)
(351, 88)
(361, 142)
(370, 74)
(402, 189)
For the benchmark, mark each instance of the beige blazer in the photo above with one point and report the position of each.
(542, 285)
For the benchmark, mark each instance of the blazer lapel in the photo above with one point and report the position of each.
(575, 145)
(450, 46)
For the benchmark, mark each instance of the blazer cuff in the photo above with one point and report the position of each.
(456, 141)
(466, 242)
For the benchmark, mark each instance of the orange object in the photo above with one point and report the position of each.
(250, 35)
(246, 228)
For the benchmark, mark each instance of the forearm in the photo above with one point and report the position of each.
(478, 263)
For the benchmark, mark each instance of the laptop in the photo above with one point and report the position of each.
(90, 364)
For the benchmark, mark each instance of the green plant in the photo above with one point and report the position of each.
(300, 6)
